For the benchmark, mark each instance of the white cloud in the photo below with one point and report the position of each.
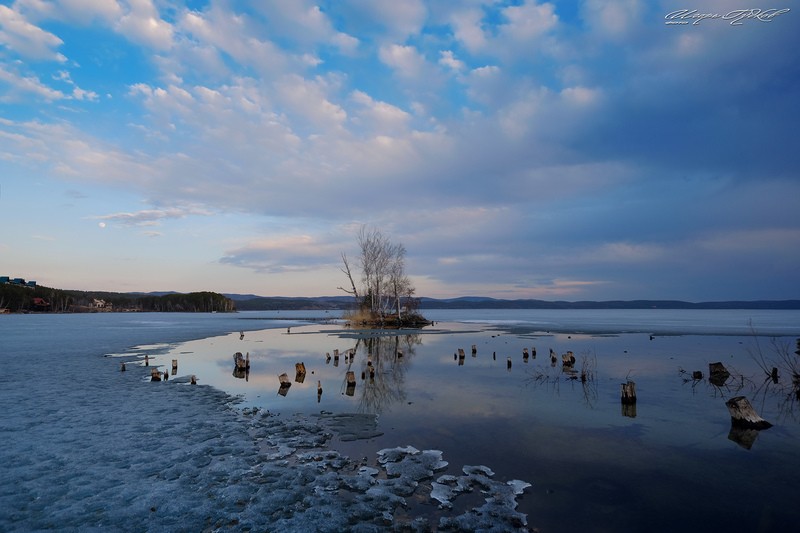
(467, 28)
(397, 20)
(612, 19)
(142, 24)
(26, 39)
(448, 59)
(380, 116)
(27, 85)
(153, 217)
(528, 21)
(406, 61)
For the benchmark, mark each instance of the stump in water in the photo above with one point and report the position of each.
(743, 414)
(697, 375)
(285, 384)
(174, 366)
(525, 354)
(718, 374)
(628, 393)
(241, 362)
(155, 375)
(122, 368)
(568, 359)
(300, 372)
(351, 383)
(194, 380)
(474, 349)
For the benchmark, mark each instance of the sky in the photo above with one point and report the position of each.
(591, 150)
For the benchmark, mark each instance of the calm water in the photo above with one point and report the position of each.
(670, 464)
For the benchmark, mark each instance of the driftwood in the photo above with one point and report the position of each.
(743, 415)
(718, 374)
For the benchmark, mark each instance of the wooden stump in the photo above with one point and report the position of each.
(122, 368)
(174, 366)
(628, 393)
(155, 375)
(300, 372)
(194, 380)
(474, 349)
(718, 374)
(697, 375)
(743, 414)
(568, 359)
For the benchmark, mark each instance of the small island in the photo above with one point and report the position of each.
(385, 296)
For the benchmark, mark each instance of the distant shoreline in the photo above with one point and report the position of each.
(326, 303)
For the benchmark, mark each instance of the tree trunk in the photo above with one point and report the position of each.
(743, 414)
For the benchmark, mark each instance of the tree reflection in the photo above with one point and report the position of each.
(379, 364)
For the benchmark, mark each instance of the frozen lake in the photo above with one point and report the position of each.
(672, 463)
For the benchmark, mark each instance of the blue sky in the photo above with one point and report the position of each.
(518, 149)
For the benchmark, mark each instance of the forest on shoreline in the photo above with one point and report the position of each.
(41, 299)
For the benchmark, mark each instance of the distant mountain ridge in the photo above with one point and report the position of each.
(250, 302)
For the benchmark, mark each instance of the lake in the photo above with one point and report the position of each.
(670, 462)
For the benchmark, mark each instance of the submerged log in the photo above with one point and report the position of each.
(743, 414)
(628, 393)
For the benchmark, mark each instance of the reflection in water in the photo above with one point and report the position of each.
(383, 364)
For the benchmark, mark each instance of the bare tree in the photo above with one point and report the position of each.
(384, 283)
(346, 270)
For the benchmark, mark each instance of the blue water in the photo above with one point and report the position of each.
(669, 465)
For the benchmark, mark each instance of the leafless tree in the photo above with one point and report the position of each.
(384, 283)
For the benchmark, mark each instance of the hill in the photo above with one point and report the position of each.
(277, 303)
